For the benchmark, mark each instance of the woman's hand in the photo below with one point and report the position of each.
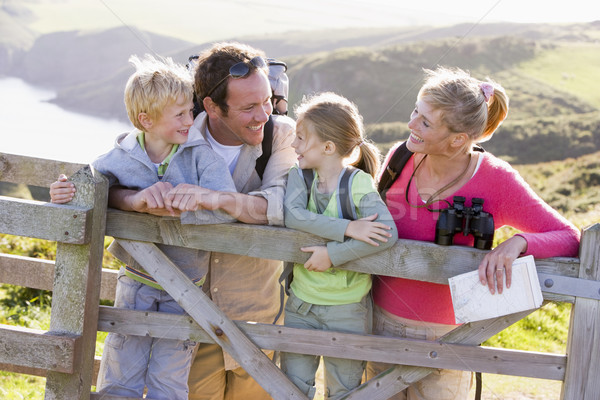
(319, 261)
(499, 260)
(366, 230)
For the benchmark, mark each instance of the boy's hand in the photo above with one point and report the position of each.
(186, 197)
(319, 261)
(152, 200)
(366, 230)
(62, 191)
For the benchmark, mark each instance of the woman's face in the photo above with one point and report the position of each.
(428, 134)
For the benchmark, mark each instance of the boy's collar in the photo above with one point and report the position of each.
(162, 167)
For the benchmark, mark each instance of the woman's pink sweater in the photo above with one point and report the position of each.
(511, 202)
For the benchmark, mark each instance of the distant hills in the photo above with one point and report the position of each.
(550, 72)
(551, 118)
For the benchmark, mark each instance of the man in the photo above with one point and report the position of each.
(233, 91)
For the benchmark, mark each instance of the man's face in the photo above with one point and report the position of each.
(249, 101)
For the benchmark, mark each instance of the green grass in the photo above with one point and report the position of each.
(556, 67)
(31, 311)
(19, 387)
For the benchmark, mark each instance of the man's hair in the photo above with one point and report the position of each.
(213, 65)
(156, 83)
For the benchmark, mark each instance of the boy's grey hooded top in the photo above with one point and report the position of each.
(195, 162)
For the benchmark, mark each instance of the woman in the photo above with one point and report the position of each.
(454, 111)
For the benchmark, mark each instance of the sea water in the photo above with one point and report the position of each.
(31, 126)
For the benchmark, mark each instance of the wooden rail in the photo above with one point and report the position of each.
(65, 354)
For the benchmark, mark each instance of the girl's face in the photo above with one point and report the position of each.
(428, 134)
(308, 146)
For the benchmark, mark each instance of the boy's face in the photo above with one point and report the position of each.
(173, 126)
(249, 101)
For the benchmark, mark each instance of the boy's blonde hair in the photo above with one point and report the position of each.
(468, 105)
(156, 83)
(335, 118)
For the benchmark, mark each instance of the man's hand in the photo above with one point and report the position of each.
(186, 197)
(149, 200)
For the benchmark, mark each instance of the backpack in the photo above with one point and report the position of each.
(346, 207)
(346, 210)
(280, 87)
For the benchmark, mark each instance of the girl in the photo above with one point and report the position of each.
(329, 132)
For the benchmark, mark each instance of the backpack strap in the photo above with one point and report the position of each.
(344, 200)
(397, 162)
(267, 148)
(309, 176)
(285, 280)
(394, 167)
(344, 197)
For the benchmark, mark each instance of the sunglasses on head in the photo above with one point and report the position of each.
(240, 70)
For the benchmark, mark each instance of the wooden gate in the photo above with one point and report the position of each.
(65, 353)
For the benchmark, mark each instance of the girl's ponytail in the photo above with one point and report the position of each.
(369, 158)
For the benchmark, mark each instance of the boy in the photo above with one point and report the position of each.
(155, 157)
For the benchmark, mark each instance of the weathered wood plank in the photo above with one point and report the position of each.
(32, 348)
(76, 291)
(223, 331)
(344, 345)
(19, 369)
(583, 343)
(33, 171)
(396, 379)
(26, 271)
(39, 274)
(407, 258)
(38, 219)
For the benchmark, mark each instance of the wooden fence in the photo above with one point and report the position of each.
(65, 353)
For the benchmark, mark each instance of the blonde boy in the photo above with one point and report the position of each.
(151, 160)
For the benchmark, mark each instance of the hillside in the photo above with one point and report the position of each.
(549, 71)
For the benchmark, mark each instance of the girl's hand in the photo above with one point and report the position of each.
(499, 260)
(366, 230)
(62, 191)
(319, 261)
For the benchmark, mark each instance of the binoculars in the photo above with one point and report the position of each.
(468, 220)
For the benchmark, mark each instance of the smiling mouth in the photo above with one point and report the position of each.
(415, 138)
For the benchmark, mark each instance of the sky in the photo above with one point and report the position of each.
(205, 20)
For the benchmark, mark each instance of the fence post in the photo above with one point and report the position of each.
(583, 345)
(76, 291)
